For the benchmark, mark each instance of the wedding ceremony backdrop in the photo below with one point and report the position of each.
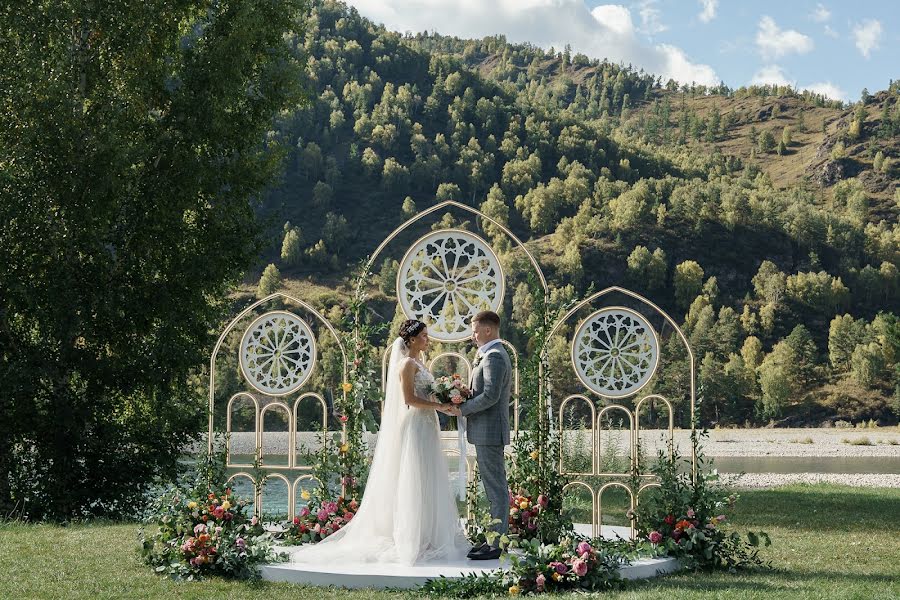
(279, 420)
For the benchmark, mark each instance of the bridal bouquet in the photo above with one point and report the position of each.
(450, 390)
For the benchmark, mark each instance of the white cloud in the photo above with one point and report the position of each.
(607, 31)
(651, 18)
(820, 14)
(775, 75)
(867, 35)
(775, 43)
(771, 75)
(709, 10)
(829, 89)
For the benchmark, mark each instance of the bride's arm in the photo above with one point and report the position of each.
(407, 384)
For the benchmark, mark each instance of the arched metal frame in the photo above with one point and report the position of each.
(295, 487)
(670, 444)
(595, 527)
(231, 402)
(590, 404)
(294, 431)
(631, 504)
(262, 430)
(692, 363)
(290, 495)
(248, 477)
(609, 409)
(260, 413)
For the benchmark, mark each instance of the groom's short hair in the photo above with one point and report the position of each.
(487, 316)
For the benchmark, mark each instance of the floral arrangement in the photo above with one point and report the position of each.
(209, 535)
(572, 564)
(450, 389)
(524, 515)
(319, 519)
(686, 517)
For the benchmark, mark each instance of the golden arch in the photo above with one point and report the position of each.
(248, 477)
(287, 485)
(465, 361)
(692, 362)
(262, 431)
(609, 409)
(296, 486)
(294, 431)
(590, 404)
(631, 503)
(572, 484)
(231, 401)
(233, 324)
(637, 423)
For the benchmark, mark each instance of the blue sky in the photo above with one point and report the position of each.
(832, 47)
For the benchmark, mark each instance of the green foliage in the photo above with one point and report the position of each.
(290, 247)
(128, 169)
(269, 282)
(688, 282)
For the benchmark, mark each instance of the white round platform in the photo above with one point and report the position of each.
(376, 576)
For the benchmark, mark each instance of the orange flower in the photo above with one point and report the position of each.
(683, 524)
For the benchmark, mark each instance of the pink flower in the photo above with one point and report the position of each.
(348, 516)
(304, 511)
(655, 537)
(240, 543)
(540, 581)
(561, 568)
(199, 528)
(583, 548)
(526, 515)
(580, 567)
(690, 513)
(347, 480)
(254, 520)
(543, 501)
(322, 515)
(721, 518)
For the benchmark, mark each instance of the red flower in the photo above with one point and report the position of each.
(669, 519)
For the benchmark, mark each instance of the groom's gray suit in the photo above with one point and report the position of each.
(487, 427)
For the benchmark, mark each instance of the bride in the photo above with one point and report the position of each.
(408, 513)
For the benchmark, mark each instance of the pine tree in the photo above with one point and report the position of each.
(290, 247)
(878, 164)
(269, 282)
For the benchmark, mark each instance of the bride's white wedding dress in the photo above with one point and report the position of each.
(408, 512)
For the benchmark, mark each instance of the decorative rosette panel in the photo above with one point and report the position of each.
(446, 278)
(278, 353)
(615, 352)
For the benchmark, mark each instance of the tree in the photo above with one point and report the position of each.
(786, 136)
(769, 283)
(777, 380)
(838, 151)
(688, 282)
(387, 277)
(766, 142)
(290, 247)
(878, 163)
(409, 207)
(335, 232)
(269, 282)
(647, 269)
(448, 191)
(128, 172)
(866, 364)
(322, 194)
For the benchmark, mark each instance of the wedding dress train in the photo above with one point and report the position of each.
(408, 513)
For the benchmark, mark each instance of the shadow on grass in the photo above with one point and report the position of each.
(765, 581)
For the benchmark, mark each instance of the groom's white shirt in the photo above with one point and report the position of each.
(483, 349)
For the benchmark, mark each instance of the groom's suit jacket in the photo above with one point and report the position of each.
(487, 412)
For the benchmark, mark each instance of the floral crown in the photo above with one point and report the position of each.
(410, 329)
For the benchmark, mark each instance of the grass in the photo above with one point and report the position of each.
(863, 441)
(829, 542)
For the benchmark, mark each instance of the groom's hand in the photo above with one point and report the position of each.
(454, 411)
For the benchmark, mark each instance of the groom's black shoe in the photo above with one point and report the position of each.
(476, 550)
(487, 553)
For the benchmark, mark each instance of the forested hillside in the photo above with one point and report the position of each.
(763, 219)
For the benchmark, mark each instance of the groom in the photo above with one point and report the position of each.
(487, 421)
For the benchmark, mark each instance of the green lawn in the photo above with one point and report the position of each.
(828, 542)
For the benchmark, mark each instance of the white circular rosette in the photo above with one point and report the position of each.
(615, 352)
(278, 353)
(445, 279)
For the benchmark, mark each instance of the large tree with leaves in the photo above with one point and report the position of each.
(132, 143)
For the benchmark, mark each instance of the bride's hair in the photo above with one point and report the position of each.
(410, 329)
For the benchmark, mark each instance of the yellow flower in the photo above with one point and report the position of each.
(534, 455)
(304, 494)
(192, 505)
(347, 387)
(556, 576)
(523, 504)
(345, 447)
(226, 505)
(513, 590)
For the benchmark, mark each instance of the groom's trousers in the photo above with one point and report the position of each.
(492, 469)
